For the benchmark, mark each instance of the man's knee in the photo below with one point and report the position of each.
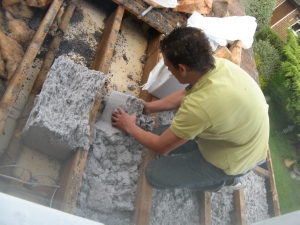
(151, 177)
(149, 173)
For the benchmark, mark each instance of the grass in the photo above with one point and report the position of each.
(281, 148)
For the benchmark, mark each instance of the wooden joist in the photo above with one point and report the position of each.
(261, 172)
(53, 47)
(108, 41)
(240, 207)
(73, 168)
(205, 208)
(162, 19)
(273, 185)
(143, 201)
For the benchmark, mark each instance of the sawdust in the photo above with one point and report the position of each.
(80, 42)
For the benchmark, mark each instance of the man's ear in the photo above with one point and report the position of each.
(183, 68)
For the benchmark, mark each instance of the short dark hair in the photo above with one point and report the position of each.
(189, 46)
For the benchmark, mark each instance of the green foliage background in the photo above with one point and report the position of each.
(261, 10)
(267, 59)
(290, 69)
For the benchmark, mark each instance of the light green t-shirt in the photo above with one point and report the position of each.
(227, 114)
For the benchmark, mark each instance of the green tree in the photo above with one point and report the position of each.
(267, 59)
(290, 69)
(261, 10)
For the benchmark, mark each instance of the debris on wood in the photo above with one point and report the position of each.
(189, 6)
(18, 8)
(12, 53)
(233, 54)
(39, 3)
(19, 29)
(220, 8)
(236, 52)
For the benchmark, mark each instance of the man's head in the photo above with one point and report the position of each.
(188, 46)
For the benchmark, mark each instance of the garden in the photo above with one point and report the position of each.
(278, 65)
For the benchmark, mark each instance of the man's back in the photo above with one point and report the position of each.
(228, 114)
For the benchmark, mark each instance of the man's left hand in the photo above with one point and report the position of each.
(122, 120)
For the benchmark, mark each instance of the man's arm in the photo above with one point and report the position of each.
(161, 145)
(170, 102)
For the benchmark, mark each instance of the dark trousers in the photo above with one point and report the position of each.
(185, 167)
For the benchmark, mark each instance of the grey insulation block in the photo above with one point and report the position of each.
(130, 105)
(59, 120)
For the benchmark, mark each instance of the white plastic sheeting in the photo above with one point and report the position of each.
(161, 82)
(166, 3)
(221, 31)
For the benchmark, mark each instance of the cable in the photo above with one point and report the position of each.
(19, 167)
(43, 175)
(29, 183)
(52, 197)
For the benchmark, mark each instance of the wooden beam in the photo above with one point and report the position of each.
(162, 19)
(205, 208)
(261, 172)
(22, 70)
(73, 168)
(240, 207)
(143, 201)
(152, 58)
(108, 40)
(53, 47)
(273, 185)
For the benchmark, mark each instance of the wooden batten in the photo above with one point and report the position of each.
(143, 201)
(21, 72)
(162, 19)
(73, 168)
(108, 40)
(240, 207)
(261, 172)
(205, 208)
(273, 185)
(53, 47)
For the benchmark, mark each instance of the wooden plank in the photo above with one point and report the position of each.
(152, 57)
(261, 172)
(53, 47)
(162, 19)
(143, 201)
(240, 207)
(22, 70)
(273, 185)
(73, 168)
(108, 40)
(205, 208)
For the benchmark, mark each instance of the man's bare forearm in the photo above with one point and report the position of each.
(161, 145)
(170, 102)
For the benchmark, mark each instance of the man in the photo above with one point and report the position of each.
(221, 129)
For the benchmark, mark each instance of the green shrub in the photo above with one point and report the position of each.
(290, 69)
(267, 59)
(269, 34)
(261, 10)
(263, 83)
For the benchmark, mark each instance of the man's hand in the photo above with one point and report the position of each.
(146, 109)
(122, 120)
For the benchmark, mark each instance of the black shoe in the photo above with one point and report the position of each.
(238, 183)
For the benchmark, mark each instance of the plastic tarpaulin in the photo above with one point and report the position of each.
(221, 31)
(166, 3)
(161, 82)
